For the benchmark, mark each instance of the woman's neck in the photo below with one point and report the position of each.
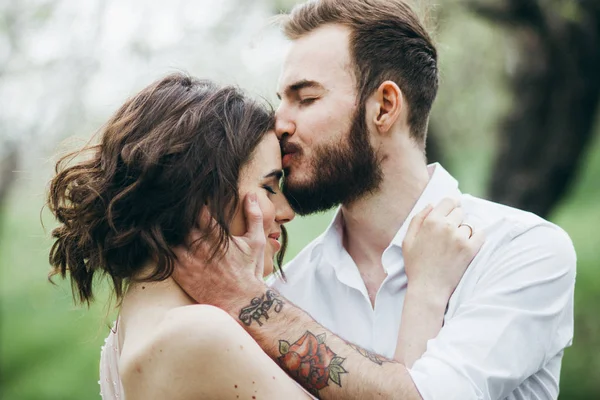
(150, 300)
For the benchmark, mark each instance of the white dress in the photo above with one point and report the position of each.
(110, 383)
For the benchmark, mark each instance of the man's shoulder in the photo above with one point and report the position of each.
(490, 215)
(520, 235)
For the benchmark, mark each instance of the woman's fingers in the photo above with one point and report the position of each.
(254, 221)
(417, 222)
(439, 246)
(445, 207)
(456, 217)
(255, 236)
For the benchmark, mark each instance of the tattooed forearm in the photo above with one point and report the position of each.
(311, 362)
(259, 307)
(376, 358)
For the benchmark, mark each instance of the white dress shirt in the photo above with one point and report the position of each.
(507, 322)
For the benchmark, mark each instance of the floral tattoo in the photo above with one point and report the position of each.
(259, 307)
(311, 362)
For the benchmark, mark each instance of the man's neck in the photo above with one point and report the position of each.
(371, 223)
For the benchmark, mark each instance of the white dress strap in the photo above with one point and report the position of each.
(110, 382)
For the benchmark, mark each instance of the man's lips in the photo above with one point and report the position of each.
(287, 159)
(288, 151)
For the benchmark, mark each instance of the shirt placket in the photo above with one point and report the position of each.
(389, 303)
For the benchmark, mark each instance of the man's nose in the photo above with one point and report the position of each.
(283, 124)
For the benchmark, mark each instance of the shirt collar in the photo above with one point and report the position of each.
(441, 184)
(331, 237)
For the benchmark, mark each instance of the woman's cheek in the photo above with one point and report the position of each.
(268, 211)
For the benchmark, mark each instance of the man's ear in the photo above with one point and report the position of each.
(386, 106)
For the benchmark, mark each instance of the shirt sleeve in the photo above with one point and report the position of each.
(519, 316)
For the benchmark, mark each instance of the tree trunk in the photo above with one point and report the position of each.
(556, 89)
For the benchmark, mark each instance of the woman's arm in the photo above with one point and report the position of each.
(437, 251)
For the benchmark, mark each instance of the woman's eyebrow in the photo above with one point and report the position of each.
(276, 173)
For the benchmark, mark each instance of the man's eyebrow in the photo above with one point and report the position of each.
(276, 173)
(297, 86)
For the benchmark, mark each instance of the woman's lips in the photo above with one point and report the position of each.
(275, 243)
(274, 239)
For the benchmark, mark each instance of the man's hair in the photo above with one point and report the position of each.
(387, 42)
(171, 151)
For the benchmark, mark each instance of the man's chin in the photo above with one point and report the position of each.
(295, 179)
(304, 199)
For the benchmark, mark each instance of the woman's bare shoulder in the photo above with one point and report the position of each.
(175, 351)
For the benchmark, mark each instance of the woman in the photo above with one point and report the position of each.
(175, 159)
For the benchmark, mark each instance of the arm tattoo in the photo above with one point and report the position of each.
(311, 362)
(376, 358)
(260, 307)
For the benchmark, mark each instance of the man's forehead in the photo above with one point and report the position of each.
(310, 60)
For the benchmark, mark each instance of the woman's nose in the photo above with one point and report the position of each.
(284, 212)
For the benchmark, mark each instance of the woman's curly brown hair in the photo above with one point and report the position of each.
(174, 148)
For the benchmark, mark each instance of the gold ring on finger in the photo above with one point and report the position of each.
(468, 226)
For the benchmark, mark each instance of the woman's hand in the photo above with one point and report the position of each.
(438, 248)
(233, 278)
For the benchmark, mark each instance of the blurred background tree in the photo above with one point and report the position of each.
(515, 121)
(555, 84)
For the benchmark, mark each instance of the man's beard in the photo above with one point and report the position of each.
(341, 173)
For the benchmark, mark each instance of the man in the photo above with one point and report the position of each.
(356, 91)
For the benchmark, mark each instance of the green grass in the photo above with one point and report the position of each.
(49, 349)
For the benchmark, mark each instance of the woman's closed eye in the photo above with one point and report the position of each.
(269, 189)
(272, 181)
